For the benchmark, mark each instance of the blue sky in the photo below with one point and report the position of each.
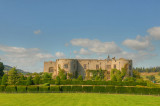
(35, 31)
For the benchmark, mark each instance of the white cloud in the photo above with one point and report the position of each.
(60, 55)
(23, 58)
(97, 46)
(37, 32)
(82, 52)
(140, 43)
(154, 32)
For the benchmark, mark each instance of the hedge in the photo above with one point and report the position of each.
(10, 89)
(90, 82)
(66, 88)
(87, 88)
(99, 89)
(32, 89)
(21, 89)
(83, 88)
(110, 89)
(43, 88)
(77, 88)
(2, 88)
(55, 88)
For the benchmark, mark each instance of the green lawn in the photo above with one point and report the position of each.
(77, 99)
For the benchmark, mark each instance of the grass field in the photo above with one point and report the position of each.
(77, 99)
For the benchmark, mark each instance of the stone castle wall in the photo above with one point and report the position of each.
(81, 65)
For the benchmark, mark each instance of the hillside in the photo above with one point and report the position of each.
(7, 68)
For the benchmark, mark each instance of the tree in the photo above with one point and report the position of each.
(136, 74)
(151, 77)
(1, 69)
(36, 79)
(70, 75)
(29, 80)
(123, 72)
(113, 78)
(61, 73)
(63, 77)
(4, 79)
(97, 78)
(80, 78)
(12, 76)
(57, 82)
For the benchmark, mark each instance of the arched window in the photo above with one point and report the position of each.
(51, 69)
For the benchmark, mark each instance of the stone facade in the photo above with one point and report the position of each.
(81, 65)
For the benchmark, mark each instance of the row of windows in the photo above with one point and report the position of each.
(85, 66)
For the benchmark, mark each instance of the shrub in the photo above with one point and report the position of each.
(57, 82)
(32, 88)
(46, 84)
(4, 79)
(99, 89)
(55, 88)
(43, 88)
(110, 89)
(22, 82)
(66, 88)
(11, 89)
(77, 88)
(21, 89)
(121, 89)
(2, 88)
(88, 88)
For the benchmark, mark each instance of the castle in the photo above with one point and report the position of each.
(80, 66)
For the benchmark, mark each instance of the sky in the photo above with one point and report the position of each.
(34, 31)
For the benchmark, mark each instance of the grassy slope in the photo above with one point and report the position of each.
(144, 74)
(78, 99)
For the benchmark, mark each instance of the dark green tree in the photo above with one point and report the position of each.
(36, 79)
(1, 69)
(4, 79)
(57, 82)
(13, 76)
(29, 80)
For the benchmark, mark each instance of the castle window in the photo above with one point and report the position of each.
(85, 66)
(114, 66)
(65, 66)
(91, 74)
(97, 67)
(51, 69)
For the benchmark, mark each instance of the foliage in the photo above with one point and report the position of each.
(36, 79)
(2, 88)
(80, 78)
(46, 77)
(11, 88)
(159, 73)
(21, 89)
(4, 79)
(1, 69)
(70, 75)
(29, 80)
(77, 88)
(100, 73)
(55, 88)
(32, 88)
(12, 76)
(136, 74)
(65, 88)
(46, 84)
(151, 69)
(99, 89)
(113, 78)
(151, 77)
(62, 73)
(87, 88)
(43, 88)
(57, 82)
